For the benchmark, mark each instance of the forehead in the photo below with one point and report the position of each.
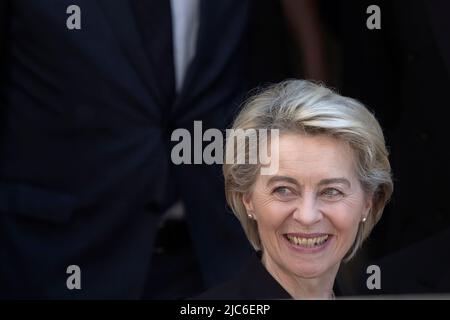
(315, 156)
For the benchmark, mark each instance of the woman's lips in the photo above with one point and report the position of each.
(307, 242)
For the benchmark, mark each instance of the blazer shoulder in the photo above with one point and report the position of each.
(253, 283)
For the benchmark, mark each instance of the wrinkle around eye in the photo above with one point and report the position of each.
(334, 195)
(286, 194)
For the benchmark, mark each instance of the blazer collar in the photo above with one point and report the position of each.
(257, 283)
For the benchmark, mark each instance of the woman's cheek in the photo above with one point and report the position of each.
(273, 211)
(341, 214)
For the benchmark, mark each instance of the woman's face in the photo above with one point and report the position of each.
(308, 213)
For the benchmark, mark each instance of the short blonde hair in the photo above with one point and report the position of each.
(299, 106)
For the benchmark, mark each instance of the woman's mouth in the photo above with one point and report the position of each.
(307, 241)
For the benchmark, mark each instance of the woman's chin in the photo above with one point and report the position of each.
(308, 271)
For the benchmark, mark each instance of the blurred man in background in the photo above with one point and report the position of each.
(86, 174)
(86, 177)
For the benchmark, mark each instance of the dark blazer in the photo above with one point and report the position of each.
(422, 268)
(85, 169)
(254, 282)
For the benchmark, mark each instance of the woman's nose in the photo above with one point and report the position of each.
(307, 211)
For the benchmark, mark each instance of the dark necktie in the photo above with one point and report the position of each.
(154, 19)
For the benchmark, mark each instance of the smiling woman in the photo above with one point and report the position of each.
(330, 190)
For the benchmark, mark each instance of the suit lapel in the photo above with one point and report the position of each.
(120, 16)
(206, 48)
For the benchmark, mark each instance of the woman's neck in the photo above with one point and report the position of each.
(302, 288)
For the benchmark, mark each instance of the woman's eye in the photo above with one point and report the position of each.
(283, 192)
(332, 193)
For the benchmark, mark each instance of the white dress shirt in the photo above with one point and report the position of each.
(185, 23)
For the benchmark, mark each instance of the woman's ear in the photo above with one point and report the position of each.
(367, 207)
(248, 203)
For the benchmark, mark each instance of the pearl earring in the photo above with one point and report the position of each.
(250, 216)
(364, 219)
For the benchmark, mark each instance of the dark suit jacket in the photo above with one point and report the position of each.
(422, 268)
(402, 72)
(85, 169)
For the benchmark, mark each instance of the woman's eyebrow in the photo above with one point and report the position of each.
(321, 183)
(282, 178)
(335, 180)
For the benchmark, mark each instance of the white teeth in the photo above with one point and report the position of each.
(307, 242)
